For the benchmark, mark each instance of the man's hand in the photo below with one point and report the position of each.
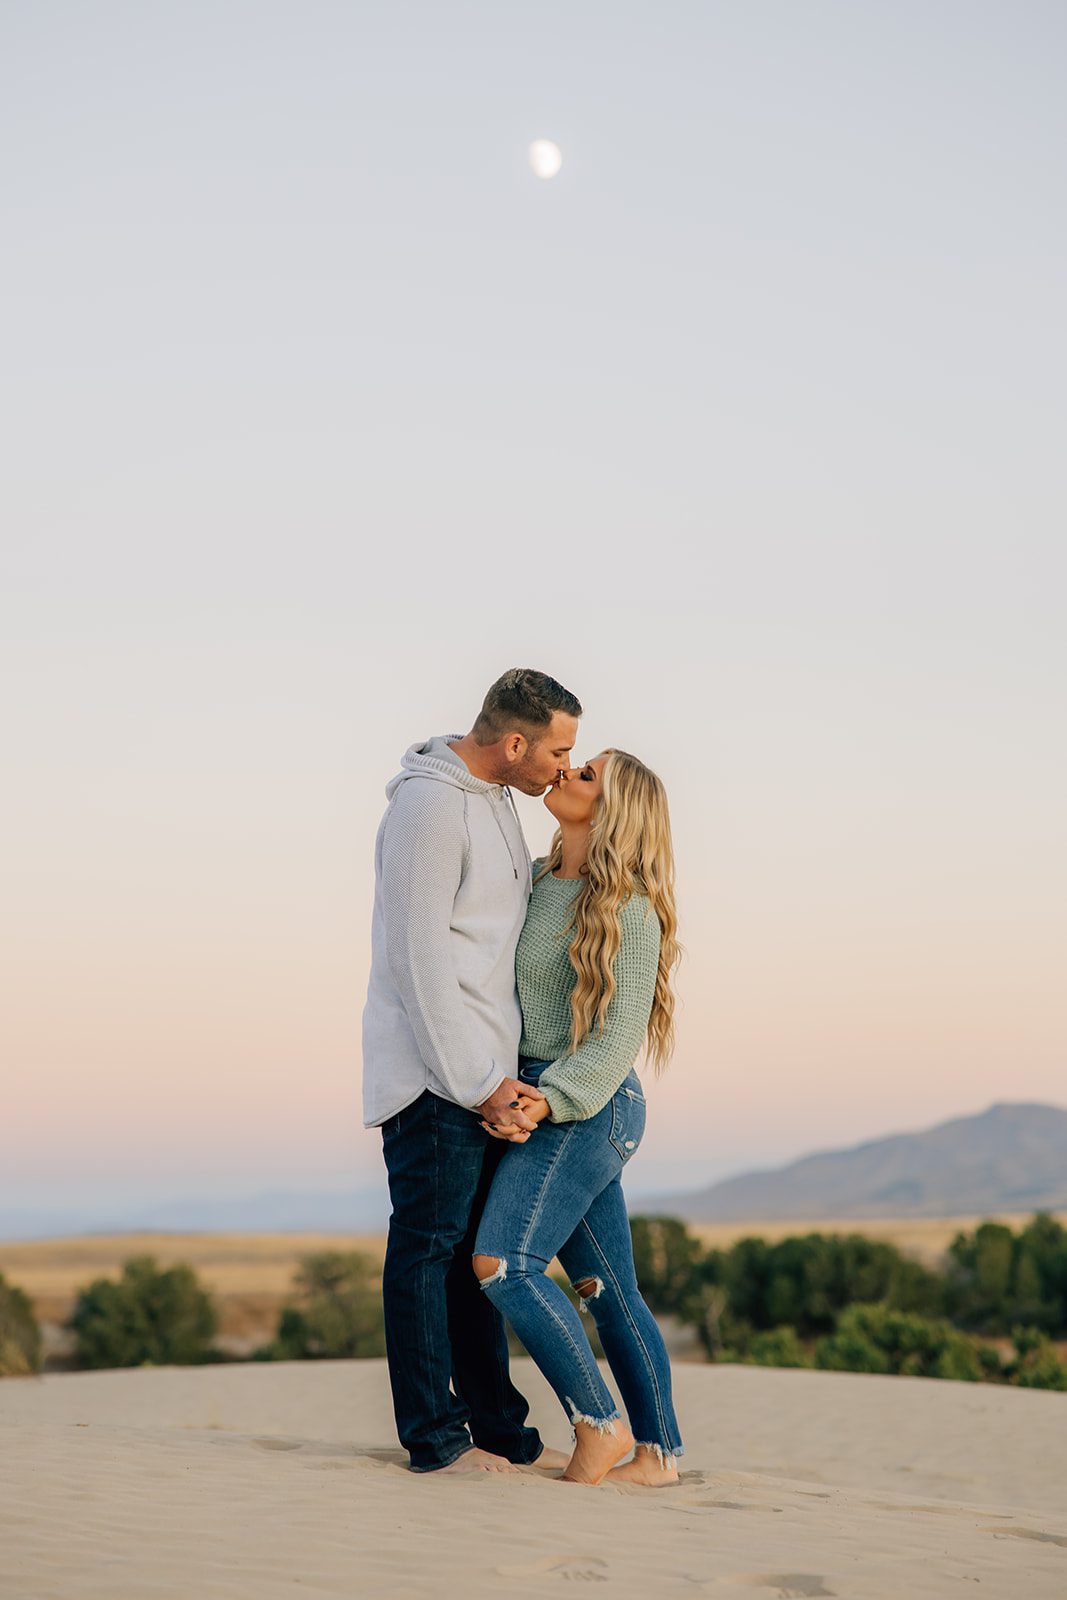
(503, 1110)
(538, 1109)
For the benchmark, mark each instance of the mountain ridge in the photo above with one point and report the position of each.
(1010, 1157)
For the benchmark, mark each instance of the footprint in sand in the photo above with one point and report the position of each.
(732, 1505)
(380, 1458)
(786, 1585)
(938, 1511)
(574, 1569)
(278, 1444)
(1031, 1533)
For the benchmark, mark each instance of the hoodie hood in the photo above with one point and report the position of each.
(433, 759)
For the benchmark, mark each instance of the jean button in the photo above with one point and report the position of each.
(629, 1144)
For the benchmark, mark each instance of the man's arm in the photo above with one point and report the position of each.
(422, 853)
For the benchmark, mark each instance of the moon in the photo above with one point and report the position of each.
(546, 158)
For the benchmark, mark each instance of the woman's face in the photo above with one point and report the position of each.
(574, 795)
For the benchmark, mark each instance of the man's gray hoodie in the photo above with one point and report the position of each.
(452, 880)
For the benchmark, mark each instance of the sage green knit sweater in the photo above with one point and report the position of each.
(579, 1085)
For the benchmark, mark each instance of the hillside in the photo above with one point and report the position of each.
(1011, 1158)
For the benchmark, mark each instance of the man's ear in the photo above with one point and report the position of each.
(515, 747)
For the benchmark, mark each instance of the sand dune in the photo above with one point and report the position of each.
(224, 1483)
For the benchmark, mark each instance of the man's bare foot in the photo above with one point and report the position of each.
(551, 1460)
(474, 1460)
(595, 1453)
(646, 1470)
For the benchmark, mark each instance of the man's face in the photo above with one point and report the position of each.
(540, 764)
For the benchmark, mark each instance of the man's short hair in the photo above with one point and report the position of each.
(523, 701)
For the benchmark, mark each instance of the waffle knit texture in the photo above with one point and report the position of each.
(452, 878)
(579, 1085)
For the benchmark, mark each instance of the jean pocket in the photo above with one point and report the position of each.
(627, 1120)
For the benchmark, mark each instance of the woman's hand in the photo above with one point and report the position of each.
(537, 1110)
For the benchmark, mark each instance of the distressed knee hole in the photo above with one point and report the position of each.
(489, 1269)
(588, 1289)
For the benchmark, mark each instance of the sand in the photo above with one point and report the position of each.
(261, 1481)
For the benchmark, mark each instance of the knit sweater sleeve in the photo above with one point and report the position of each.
(579, 1085)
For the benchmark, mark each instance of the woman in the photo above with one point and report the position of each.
(593, 968)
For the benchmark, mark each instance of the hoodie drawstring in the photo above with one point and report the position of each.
(503, 834)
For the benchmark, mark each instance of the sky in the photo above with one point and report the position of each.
(321, 410)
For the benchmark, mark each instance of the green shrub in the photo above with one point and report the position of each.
(850, 1351)
(20, 1337)
(148, 1318)
(879, 1339)
(1036, 1364)
(777, 1347)
(339, 1313)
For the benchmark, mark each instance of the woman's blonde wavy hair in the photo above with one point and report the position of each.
(630, 850)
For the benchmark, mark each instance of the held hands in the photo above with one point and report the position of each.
(537, 1109)
(513, 1110)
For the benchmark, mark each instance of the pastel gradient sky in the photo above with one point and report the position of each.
(320, 411)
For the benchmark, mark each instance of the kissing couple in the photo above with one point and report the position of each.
(508, 1002)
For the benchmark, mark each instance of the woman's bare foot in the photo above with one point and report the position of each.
(475, 1461)
(550, 1460)
(596, 1452)
(646, 1470)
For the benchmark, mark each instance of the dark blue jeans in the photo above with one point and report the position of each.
(439, 1327)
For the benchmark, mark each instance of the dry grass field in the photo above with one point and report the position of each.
(926, 1238)
(251, 1274)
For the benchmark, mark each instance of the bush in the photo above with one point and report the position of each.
(850, 1351)
(339, 1314)
(778, 1347)
(1036, 1364)
(148, 1318)
(20, 1337)
(876, 1338)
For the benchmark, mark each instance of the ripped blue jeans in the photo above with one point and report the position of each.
(560, 1194)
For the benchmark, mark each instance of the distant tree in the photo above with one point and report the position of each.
(812, 1279)
(149, 1317)
(705, 1309)
(807, 1281)
(997, 1279)
(667, 1258)
(869, 1307)
(20, 1336)
(745, 1275)
(338, 1312)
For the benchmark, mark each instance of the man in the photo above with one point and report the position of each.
(441, 1033)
